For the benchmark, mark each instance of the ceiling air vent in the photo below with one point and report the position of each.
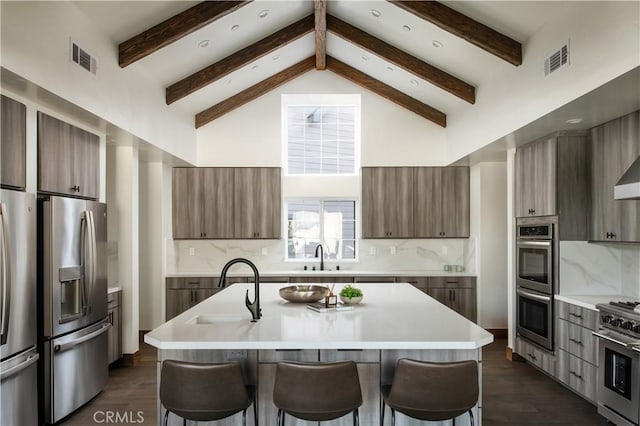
(557, 59)
(83, 58)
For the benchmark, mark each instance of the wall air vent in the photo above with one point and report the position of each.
(559, 58)
(83, 58)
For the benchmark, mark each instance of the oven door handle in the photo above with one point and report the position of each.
(629, 345)
(529, 243)
(534, 296)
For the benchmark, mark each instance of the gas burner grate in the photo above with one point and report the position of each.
(625, 305)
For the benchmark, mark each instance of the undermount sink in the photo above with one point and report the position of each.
(217, 319)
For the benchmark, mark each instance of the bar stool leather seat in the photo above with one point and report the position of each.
(432, 391)
(204, 392)
(317, 391)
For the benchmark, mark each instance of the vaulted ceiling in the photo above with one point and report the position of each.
(212, 57)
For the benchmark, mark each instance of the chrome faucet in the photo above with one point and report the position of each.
(253, 307)
(319, 246)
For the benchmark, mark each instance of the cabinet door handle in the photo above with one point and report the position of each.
(533, 357)
(575, 315)
(579, 376)
(577, 342)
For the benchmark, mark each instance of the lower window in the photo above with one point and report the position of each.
(331, 223)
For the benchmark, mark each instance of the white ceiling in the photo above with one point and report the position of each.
(122, 20)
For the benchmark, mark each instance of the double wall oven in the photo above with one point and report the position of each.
(535, 278)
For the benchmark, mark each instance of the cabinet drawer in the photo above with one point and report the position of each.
(320, 279)
(179, 283)
(374, 279)
(532, 354)
(113, 299)
(578, 374)
(331, 355)
(578, 341)
(421, 283)
(452, 282)
(277, 355)
(578, 315)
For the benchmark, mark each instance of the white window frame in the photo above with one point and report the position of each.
(320, 100)
(356, 219)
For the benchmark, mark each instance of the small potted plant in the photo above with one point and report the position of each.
(351, 295)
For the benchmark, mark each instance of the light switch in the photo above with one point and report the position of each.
(264, 251)
(192, 251)
(392, 249)
(373, 251)
(445, 249)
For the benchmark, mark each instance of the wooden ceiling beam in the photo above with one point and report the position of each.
(321, 33)
(386, 91)
(237, 60)
(255, 91)
(174, 28)
(464, 27)
(410, 63)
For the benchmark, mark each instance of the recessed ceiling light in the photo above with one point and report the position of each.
(275, 57)
(365, 58)
(436, 44)
(414, 82)
(263, 13)
(203, 43)
(376, 13)
(389, 69)
(406, 28)
(575, 121)
(255, 67)
(236, 27)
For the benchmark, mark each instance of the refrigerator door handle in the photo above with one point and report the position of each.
(6, 277)
(93, 259)
(61, 347)
(85, 225)
(18, 368)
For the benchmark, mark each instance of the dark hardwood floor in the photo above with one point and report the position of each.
(514, 393)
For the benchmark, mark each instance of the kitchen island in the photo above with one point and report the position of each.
(393, 321)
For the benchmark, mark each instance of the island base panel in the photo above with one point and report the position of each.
(374, 367)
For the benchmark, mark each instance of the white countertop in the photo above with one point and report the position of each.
(340, 273)
(113, 289)
(590, 301)
(391, 316)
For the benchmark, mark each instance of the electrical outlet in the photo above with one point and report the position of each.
(445, 249)
(264, 251)
(236, 354)
(392, 249)
(373, 251)
(192, 251)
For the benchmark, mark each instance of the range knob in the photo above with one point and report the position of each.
(606, 319)
(628, 325)
(617, 322)
(636, 329)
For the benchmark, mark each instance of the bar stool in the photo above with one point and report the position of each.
(432, 391)
(317, 391)
(205, 392)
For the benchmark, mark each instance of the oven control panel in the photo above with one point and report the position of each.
(628, 324)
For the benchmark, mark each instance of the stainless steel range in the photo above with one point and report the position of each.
(619, 356)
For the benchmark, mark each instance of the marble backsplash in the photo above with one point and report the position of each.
(373, 255)
(599, 268)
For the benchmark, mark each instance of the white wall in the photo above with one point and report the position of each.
(488, 202)
(152, 264)
(35, 45)
(251, 135)
(604, 42)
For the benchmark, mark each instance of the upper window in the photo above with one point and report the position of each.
(321, 134)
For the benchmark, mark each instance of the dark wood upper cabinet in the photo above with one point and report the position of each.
(552, 177)
(387, 202)
(226, 203)
(441, 202)
(614, 147)
(415, 202)
(68, 159)
(257, 202)
(13, 143)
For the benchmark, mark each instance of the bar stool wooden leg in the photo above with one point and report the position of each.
(166, 417)
(471, 417)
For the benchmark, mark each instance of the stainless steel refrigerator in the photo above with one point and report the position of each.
(73, 288)
(18, 354)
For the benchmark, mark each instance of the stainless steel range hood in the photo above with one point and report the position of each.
(628, 187)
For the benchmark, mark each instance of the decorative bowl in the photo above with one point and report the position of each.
(351, 301)
(304, 293)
